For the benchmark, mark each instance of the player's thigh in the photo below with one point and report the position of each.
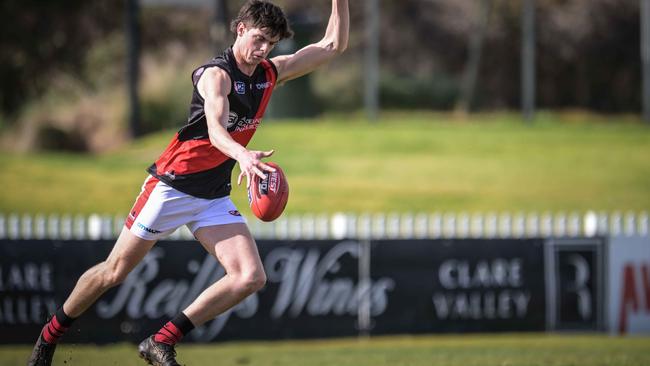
(232, 245)
(128, 251)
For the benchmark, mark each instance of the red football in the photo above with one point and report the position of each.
(268, 197)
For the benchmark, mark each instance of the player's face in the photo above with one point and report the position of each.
(257, 43)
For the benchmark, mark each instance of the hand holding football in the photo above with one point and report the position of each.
(268, 197)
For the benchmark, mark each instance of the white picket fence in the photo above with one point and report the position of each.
(363, 226)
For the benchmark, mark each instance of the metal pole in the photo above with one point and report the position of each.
(371, 95)
(221, 26)
(365, 283)
(645, 58)
(470, 75)
(133, 62)
(528, 60)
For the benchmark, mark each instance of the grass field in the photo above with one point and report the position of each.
(468, 350)
(407, 162)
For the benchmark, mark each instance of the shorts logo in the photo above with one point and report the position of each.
(149, 230)
(234, 213)
(170, 174)
(240, 87)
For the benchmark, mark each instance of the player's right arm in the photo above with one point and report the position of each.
(214, 86)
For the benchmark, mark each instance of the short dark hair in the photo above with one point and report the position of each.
(263, 15)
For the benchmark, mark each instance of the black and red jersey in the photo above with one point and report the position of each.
(190, 163)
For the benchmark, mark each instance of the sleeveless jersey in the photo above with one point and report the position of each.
(191, 164)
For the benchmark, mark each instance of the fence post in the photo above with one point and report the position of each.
(365, 226)
(26, 229)
(294, 227)
(3, 226)
(421, 225)
(603, 224)
(463, 225)
(590, 224)
(107, 228)
(94, 227)
(13, 227)
(490, 225)
(351, 225)
(505, 225)
(615, 224)
(339, 226)
(392, 226)
(519, 226)
(573, 225)
(448, 225)
(40, 227)
(532, 225)
(308, 226)
(630, 224)
(435, 225)
(559, 224)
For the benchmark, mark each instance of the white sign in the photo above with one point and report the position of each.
(629, 285)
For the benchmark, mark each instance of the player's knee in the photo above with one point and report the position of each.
(253, 281)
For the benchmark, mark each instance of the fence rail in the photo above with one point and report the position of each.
(363, 226)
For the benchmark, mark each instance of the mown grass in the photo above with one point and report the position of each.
(436, 350)
(407, 162)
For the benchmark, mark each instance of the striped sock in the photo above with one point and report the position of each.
(56, 327)
(174, 330)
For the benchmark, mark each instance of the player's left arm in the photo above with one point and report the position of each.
(310, 57)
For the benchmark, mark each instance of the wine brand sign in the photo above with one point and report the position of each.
(314, 289)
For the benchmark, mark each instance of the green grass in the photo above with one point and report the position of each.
(407, 162)
(467, 350)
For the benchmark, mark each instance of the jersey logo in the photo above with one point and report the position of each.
(239, 124)
(265, 85)
(240, 87)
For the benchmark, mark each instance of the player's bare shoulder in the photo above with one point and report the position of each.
(214, 81)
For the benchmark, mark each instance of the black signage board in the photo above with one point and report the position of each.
(460, 285)
(312, 291)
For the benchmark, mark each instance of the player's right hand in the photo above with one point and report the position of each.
(250, 164)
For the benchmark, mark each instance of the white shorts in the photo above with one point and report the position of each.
(161, 209)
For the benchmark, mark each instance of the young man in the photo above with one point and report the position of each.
(189, 184)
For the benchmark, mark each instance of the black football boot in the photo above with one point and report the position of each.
(157, 353)
(42, 353)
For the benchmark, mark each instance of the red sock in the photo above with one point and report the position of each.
(173, 331)
(168, 334)
(56, 327)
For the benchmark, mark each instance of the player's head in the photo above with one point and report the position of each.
(259, 26)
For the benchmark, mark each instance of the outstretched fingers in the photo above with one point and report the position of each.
(254, 167)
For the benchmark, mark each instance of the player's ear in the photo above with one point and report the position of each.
(241, 28)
